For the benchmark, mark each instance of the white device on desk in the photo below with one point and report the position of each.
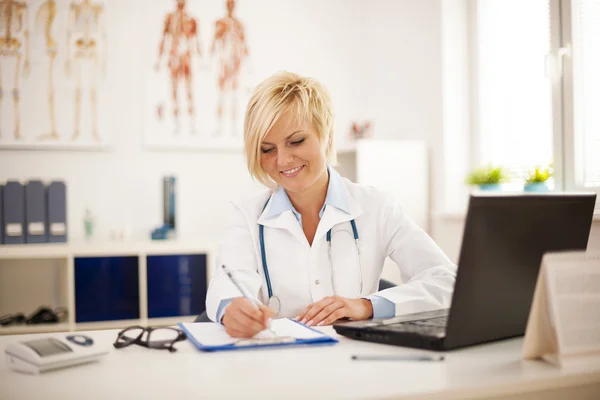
(43, 354)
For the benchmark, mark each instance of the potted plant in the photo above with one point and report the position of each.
(536, 181)
(487, 178)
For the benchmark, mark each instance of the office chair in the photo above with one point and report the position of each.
(383, 284)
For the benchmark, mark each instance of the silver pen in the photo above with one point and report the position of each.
(399, 357)
(246, 295)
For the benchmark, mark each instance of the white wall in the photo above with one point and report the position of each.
(380, 59)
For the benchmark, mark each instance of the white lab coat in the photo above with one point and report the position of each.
(300, 273)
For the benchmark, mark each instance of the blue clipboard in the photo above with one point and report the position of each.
(243, 344)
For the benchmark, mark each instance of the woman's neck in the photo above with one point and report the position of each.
(310, 201)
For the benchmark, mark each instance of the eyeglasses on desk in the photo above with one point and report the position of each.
(153, 338)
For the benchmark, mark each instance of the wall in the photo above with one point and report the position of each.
(380, 60)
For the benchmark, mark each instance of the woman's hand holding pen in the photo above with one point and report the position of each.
(329, 309)
(242, 319)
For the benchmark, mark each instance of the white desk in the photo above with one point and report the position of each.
(492, 370)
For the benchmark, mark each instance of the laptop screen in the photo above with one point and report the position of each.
(504, 239)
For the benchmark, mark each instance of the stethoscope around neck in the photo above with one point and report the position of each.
(274, 302)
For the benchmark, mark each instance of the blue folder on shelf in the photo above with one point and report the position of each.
(209, 336)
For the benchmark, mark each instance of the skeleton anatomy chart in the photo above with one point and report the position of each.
(195, 93)
(44, 20)
(86, 33)
(55, 97)
(14, 54)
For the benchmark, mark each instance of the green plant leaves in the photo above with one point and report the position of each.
(487, 175)
(539, 175)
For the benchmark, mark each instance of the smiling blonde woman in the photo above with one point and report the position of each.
(313, 245)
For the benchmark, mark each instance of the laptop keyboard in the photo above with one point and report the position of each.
(428, 327)
(439, 322)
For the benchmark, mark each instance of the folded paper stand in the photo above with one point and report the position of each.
(564, 320)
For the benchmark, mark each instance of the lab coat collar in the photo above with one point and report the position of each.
(345, 209)
(336, 197)
(334, 216)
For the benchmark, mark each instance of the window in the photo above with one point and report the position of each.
(537, 88)
(514, 91)
(586, 92)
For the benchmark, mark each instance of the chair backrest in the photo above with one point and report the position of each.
(385, 284)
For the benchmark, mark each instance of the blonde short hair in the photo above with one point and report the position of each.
(284, 92)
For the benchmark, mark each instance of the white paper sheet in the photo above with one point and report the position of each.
(574, 303)
(213, 334)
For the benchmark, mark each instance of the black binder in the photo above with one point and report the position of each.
(35, 212)
(57, 212)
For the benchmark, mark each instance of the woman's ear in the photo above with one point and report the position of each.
(329, 144)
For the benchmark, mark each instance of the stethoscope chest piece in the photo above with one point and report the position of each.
(274, 304)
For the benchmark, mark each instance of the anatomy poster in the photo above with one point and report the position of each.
(53, 57)
(196, 84)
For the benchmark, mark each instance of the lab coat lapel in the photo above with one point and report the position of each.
(286, 220)
(333, 216)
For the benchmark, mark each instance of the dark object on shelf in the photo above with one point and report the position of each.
(12, 319)
(45, 315)
(42, 315)
(169, 201)
(167, 229)
(161, 233)
(165, 338)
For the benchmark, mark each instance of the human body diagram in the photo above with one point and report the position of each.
(191, 94)
(180, 42)
(44, 20)
(14, 51)
(229, 49)
(86, 57)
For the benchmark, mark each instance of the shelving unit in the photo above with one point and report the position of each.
(34, 275)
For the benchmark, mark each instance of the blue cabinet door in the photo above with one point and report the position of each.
(176, 285)
(106, 288)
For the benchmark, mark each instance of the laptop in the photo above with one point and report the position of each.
(504, 239)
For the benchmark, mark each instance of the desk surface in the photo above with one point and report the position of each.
(302, 372)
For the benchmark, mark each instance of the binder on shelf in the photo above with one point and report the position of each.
(13, 203)
(35, 212)
(57, 212)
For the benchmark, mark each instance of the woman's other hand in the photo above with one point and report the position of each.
(329, 309)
